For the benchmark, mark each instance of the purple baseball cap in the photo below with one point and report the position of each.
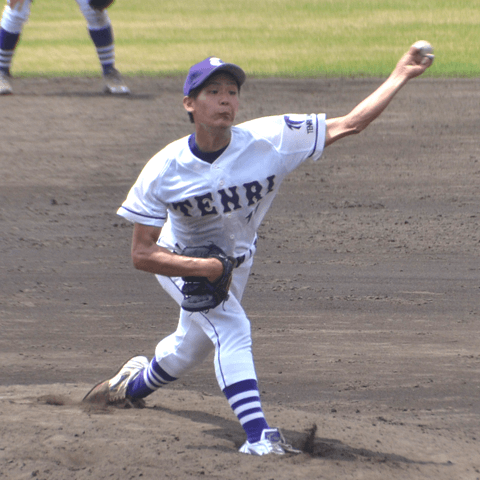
(206, 68)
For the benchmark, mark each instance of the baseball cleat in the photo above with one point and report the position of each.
(271, 441)
(5, 86)
(114, 83)
(114, 390)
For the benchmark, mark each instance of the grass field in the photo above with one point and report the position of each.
(267, 37)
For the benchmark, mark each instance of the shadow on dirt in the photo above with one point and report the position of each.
(307, 442)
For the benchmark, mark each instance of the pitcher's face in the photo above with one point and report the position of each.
(217, 103)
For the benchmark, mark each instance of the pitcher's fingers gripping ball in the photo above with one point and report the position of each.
(199, 293)
(425, 51)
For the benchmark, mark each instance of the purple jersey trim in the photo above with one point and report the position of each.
(142, 215)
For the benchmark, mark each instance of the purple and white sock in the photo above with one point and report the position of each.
(151, 379)
(8, 42)
(244, 399)
(103, 41)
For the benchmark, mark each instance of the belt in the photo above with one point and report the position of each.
(239, 260)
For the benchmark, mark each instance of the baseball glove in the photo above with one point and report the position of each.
(100, 4)
(201, 295)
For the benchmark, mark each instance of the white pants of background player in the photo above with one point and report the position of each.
(225, 329)
(13, 20)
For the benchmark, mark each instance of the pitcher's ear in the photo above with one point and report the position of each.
(188, 103)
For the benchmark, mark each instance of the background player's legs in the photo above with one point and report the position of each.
(11, 27)
(101, 33)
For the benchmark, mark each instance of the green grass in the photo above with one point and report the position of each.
(266, 37)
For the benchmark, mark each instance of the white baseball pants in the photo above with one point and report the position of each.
(225, 329)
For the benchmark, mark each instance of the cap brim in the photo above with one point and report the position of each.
(201, 72)
(233, 70)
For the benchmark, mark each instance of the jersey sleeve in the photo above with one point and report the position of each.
(296, 137)
(143, 203)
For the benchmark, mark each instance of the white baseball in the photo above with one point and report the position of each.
(424, 48)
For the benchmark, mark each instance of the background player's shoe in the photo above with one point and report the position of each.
(5, 87)
(114, 390)
(271, 441)
(114, 83)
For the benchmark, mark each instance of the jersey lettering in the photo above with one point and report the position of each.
(204, 204)
(233, 199)
(250, 215)
(229, 198)
(271, 183)
(182, 206)
(309, 125)
(253, 192)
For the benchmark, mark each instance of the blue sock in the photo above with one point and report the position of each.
(103, 41)
(8, 42)
(151, 379)
(244, 399)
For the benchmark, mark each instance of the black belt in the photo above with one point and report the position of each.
(239, 260)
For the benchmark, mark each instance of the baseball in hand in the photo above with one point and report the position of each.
(425, 50)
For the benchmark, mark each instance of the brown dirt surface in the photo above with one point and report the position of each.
(363, 298)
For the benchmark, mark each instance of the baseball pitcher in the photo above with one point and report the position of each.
(196, 208)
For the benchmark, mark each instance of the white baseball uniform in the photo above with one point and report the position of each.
(14, 19)
(195, 202)
(99, 27)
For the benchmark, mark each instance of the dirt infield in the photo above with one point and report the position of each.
(363, 298)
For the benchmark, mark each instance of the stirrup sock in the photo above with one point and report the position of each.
(8, 42)
(103, 41)
(151, 379)
(244, 399)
